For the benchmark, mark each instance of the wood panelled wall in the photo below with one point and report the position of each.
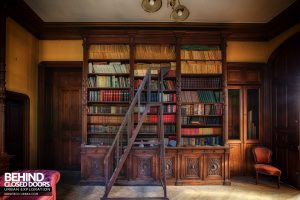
(284, 66)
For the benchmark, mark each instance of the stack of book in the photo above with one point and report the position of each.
(109, 52)
(108, 68)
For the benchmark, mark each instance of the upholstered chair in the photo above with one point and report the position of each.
(263, 160)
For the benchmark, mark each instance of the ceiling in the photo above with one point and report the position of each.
(206, 11)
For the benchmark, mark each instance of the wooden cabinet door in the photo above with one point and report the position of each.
(253, 125)
(171, 166)
(235, 129)
(92, 164)
(145, 165)
(213, 166)
(191, 166)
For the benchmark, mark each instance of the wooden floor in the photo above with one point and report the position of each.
(242, 188)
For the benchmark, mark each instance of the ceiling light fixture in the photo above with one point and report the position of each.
(179, 11)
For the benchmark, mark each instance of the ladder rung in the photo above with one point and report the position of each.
(154, 104)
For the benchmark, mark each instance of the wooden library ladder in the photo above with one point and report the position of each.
(121, 147)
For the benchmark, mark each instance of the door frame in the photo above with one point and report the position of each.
(26, 101)
(44, 68)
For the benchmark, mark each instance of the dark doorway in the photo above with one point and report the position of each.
(60, 115)
(17, 129)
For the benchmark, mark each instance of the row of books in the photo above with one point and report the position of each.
(108, 67)
(201, 96)
(108, 95)
(169, 128)
(109, 52)
(201, 131)
(201, 67)
(214, 54)
(107, 109)
(108, 81)
(100, 140)
(203, 82)
(105, 119)
(201, 141)
(155, 51)
(171, 65)
(166, 108)
(202, 109)
(155, 118)
(167, 84)
(102, 129)
(205, 121)
(154, 72)
(154, 97)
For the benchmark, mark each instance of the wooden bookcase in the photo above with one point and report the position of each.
(245, 115)
(194, 105)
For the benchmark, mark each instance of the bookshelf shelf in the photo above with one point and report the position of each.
(201, 125)
(202, 115)
(105, 114)
(108, 102)
(200, 88)
(108, 74)
(199, 75)
(201, 60)
(108, 88)
(108, 60)
(154, 60)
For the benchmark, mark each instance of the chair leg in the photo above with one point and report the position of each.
(278, 183)
(256, 178)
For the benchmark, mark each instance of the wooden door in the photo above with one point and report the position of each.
(67, 119)
(253, 124)
(284, 64)
(235, 129)
(16, 129)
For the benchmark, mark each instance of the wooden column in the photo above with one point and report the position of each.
(2, 73)
(225, 91)
(4, 158)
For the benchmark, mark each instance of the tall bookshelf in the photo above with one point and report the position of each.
(108, 95)
(201, 95)
(194, 104)
(155, 57)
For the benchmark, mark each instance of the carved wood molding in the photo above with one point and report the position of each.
(214, 167)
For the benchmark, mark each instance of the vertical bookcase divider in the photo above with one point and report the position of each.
(178, 89)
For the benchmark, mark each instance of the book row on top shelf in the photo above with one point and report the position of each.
(108, 93)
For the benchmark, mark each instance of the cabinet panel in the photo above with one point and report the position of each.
(245, 73)
(213, 166)
(191, 166)
(235, 113)
(252, 76)
(236, 159)
(171, 166)
(234, 76)
(92, 164)
(144, 165)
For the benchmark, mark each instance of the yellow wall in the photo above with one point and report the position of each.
(247, 51)
(60, 50)
(21, 76)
